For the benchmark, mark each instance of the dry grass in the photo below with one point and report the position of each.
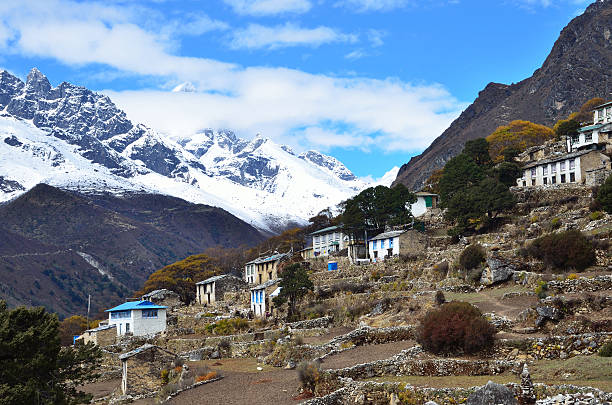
(245, 365)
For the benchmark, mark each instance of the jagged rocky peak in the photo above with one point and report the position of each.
(328, 162)
(10, 85)
(37, 83)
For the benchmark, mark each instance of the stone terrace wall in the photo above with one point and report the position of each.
(598, 283)
(556, 347)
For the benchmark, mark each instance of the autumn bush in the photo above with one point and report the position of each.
(472, 257)
(455, 327)
(309, 373)
(228, 326)
(207, 377)
(564, 250)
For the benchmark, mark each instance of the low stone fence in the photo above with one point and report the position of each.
(582, 284)
(554, 347)
(373, 393)
(322, 322)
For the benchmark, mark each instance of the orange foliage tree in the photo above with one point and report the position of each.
(585, 114)
(71, 326)
(181, 276)
(518, 135)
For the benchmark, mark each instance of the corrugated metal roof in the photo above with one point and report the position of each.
(135, 305)
(558, 158)
(212, 279)
(387, 235)
(266, 284)
(103, 327)
(326, 230)
(424, 193)
(603, 105)
(590, 127)
(266, 259)
(145, 347)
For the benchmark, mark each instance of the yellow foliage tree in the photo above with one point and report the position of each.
(71, 326)
(518, 135)
(585, 115)
(181, 276)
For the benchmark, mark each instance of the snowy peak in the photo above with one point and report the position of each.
(71, 137)
(329, 163)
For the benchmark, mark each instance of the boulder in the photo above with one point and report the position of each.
(497, 271)
(547, 312)
(492, 394)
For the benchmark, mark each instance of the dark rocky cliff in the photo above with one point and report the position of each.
(578, 68)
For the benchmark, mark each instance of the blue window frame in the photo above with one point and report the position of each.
(382, 244)
(374, 244)
(121, 314)
(149, 313)
(390, 243)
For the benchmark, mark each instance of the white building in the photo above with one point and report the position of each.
(328, 240)
(138, 318)
(425, 201)
(394, 243)
(572, 168)
(599, 133)
(261, 297)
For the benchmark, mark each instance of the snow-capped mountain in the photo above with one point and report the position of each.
(70, 137)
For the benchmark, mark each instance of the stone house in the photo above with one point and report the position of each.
(164, 298)
(212, 290)
(579, 167)
(394, 243)
(425, 202)
(261, 298)
(307, 253)
(138, 318)
(103, 335)
(264, 268)
(328, 240)
(598, 135)
(142, 368)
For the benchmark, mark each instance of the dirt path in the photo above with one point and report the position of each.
(365, 354)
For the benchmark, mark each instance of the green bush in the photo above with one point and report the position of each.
(594, 216)
(455, 327)
(555, 223)
(541, 289)
(228, 326)
(604, 195)
(606, 350)
(472, 257)
(564, 250)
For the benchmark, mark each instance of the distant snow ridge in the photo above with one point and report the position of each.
(71, 137)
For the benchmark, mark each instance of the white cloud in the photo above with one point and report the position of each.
(376, 37)
(269, 7)
(291, 106)
(257, 36)
(386, 179)
(372, 5)
(356, 54)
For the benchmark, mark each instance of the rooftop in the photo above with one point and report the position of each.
(326, 230)
(266, 284)
(603, 105)
(100, 328)
(212, 279)
(143, 348)
(425, 193)
(386, 235)
(557, 158)
(590, 127)
(266, 259)
(135, 305)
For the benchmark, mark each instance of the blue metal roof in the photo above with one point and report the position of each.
(135, 305)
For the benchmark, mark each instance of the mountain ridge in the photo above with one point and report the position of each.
(577, 69)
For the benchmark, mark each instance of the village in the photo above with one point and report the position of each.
(356, 337)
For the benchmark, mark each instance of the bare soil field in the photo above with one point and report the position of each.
(365, 354)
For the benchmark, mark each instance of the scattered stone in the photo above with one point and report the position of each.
(498, 270)
(492, 393)
(547, 312)
(290, 365)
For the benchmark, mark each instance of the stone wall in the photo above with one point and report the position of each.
(413, 243)
(553, 347)
(311, 323)
(144, 371)
(582, 284)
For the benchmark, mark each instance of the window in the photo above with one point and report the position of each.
(588, 137)
(554, 180)
(428, 201)
(382, 244)
(575, 139)
(374, 245)
(563, 178)
(121, 314)
(391, 242)
(149, 313)
(545, 170)
(127, 328)
(572, 164)
(572, 178)
(533, 172)
(533, 182)
(545, 180)
(524, 183)
(553, 168)
(562, 166)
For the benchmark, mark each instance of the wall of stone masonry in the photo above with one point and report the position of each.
(552, 195)
(144, 371)
(553, 347)
(598, 283)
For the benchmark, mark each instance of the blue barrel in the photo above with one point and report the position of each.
(332, 266)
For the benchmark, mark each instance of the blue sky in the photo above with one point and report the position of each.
(371, 82)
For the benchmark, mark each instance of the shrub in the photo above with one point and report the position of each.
(206, 377)
(309, 373)
(606, 350)
(604, 195)
(594, 216)
(472, 257)
(440, 298)
(441, 268)
(164, 376)
(555, 223)
(564, 250)
(224, 345)
(298, 340)
(455, 327)
(595, 205)
(572, 276)
(228, 326)
(541, 289)
(473, 276)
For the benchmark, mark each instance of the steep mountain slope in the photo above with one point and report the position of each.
(58, 246)
(73, 138)
(578, 68)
